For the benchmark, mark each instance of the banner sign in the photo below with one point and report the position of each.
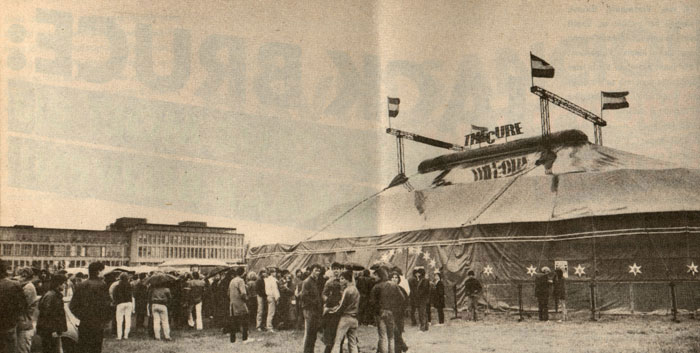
(500, 168)
(490, 137)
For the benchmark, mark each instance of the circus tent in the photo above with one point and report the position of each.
(627, 223)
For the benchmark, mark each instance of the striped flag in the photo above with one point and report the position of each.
(393, 106)
(541, 68)
(479, 128)
(615, 100)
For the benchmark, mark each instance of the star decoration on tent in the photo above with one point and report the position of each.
(692, 268)
(432, 263)
(634, 269)
(386, 257)
(532, 270)
(399, 250)
(579, 270)
(426, 255)
(414, 250)
(488, 270)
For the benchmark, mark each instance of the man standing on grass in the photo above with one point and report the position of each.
(160, 298)
(12, 305)
(273, 296)
(543, 281)
(559, 293)
(347, 309)
(332, 292)
(412, 293)
(262, 299)
(472, 288)
(141, 300)
(422, 299)
(312, 307)
(91, 305)
(27, 319)
(387, 300)
(239, 311)
(196, 285)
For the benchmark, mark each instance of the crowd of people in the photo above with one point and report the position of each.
(330, 302)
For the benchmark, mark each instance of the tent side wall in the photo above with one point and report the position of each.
(601, 249)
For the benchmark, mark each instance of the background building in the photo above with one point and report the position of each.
(127, 241)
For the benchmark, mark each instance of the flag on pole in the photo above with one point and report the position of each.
(541, 68)
(393, 106)
(479, 128)
(615, 100)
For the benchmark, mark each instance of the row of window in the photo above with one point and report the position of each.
(19, 249)
(170, 252)
(59, 264)
(196, 240)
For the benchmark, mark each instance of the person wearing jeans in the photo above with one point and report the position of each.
(196, 285)
(273, 295)
(25, 327)
(387, 300)
(348, 309)
(160, 297)
(239, 311)
(160, 318)
(260, 291)
(311, 306)
(123, 298)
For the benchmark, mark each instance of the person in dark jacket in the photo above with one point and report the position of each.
(239, 311)
(252, 298)
(89, 304)
(400, 344)
(472, 289)
(141, 301)
(312, 306)
(52, 316)
(559, 292)
(332, 292)
(413, 286)
(25, 327)
(422, 298)
(387, 300)
(262, 299)
(543, 282)
(438, 298)
(123, 299)
(364, 286)
(12, 305)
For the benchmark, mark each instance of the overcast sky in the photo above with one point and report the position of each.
(262, 115)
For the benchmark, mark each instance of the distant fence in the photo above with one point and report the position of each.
(610, 297)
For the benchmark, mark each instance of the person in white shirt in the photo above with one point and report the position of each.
(273, 295)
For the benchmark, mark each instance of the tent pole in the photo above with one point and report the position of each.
(593, 283)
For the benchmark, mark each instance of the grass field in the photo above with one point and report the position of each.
(496, 333)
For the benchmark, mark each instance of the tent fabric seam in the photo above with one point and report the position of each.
(561, 237)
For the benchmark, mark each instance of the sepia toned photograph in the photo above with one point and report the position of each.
(349, 176)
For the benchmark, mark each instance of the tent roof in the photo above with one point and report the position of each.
(586, 180)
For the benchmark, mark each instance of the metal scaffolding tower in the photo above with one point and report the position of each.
(547, 96)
